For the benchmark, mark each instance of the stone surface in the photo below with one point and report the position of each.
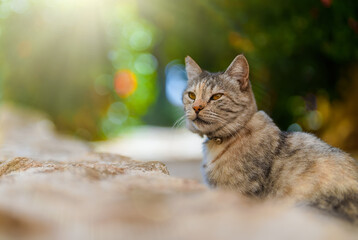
(55, 187)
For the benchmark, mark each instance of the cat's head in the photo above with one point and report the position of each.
(218, 104)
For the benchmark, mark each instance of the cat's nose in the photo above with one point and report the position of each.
(198, 108)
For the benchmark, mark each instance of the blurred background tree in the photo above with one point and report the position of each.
(99, 67)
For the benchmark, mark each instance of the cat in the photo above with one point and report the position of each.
(245, 151)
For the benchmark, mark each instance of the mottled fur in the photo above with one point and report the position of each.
(253, 156)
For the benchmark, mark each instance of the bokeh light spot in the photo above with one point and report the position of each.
(146, 64)
(124, 59)
(314, 120)
(140, 40)
(295, 127)
(125, 83)
(326, 3)
(118, 113)
(175, 83)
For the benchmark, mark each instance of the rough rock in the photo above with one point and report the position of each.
(54, 187)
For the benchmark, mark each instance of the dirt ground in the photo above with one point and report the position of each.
(56, 187)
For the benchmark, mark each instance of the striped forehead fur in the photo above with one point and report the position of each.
(213, 79)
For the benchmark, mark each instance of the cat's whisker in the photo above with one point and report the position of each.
(228, 128)
(179, 122)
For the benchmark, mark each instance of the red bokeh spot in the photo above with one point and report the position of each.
(353, 24)
(125, 83)
(326, 3)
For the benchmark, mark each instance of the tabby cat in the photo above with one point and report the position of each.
(245, 151)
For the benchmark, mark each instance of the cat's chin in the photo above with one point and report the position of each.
(198, 127)
(210, 130)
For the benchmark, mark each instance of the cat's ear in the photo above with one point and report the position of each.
(239, 70)
(192, 68)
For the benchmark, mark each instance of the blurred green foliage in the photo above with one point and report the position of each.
(296, 49)
(62, 57)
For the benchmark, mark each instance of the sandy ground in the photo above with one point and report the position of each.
(185, 169)
(56, 187)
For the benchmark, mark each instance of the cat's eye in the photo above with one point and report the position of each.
(191, 95)
(216, 96)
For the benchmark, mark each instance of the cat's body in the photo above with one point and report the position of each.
(245, 151)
